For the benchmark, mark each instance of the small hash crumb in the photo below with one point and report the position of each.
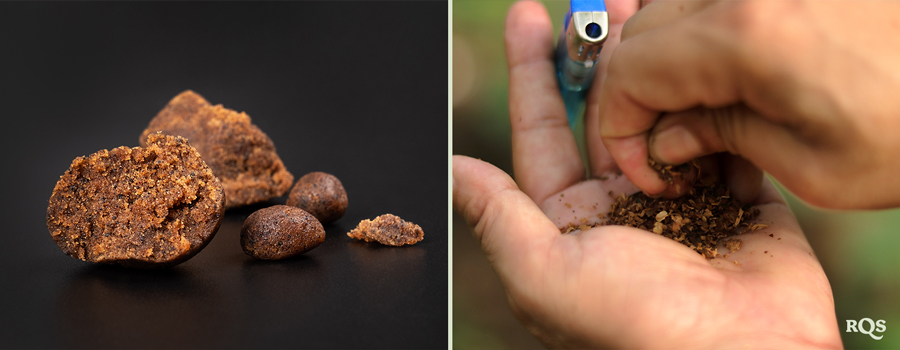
(388, 229)
(733, 245)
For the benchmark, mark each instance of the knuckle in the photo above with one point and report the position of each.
(754, 24)
(752, 19)
(483, 213)
(629, 28)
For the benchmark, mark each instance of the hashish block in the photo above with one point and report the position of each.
(388, 229)
(239, 153)
(142, 207)
(279, 232)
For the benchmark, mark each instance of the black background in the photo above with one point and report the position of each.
(356, 89)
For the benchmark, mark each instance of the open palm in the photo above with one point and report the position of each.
(617, 286)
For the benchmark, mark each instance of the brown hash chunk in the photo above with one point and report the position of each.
(320, 194)
(238, 152)
(388, 229)
(279, 232)
(150, 206)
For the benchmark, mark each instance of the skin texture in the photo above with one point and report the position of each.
(804, 90)
(616, 286)
(279, 232)
(320, 194)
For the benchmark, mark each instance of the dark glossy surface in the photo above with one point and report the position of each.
(370, 109)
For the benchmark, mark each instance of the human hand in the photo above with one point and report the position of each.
(805, 90)
(618, 286)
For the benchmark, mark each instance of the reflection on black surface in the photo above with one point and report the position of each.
(344, 294)
(284, 299)
(246, 210)
(107, 306)
(393, 278)
(264, 280)
(377, 262)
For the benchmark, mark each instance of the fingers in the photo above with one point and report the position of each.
(545, 155)
(680, 137)
(601, 162)
(674, 140)
(743, 178)
(659, 13)
(680, 66)
(513, 231)
(683, 66)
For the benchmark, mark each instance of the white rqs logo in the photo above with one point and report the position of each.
(868, 327)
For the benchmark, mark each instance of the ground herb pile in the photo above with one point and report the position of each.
(700, 219)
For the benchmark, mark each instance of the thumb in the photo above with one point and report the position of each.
(682, 136)
(514, 233)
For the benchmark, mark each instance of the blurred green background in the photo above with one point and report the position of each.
(858, 250)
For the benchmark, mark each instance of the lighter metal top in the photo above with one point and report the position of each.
(586, 32)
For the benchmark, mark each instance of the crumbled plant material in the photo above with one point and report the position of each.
(388, 229)
(733, 245)
(699, 219)
(279, 232)
(320, 194)
(669, 173)
(239, 153)
(150, 206)
(583, 224)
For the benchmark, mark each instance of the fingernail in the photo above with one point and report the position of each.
(676, 145)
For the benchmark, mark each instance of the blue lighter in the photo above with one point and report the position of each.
(584, 31)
